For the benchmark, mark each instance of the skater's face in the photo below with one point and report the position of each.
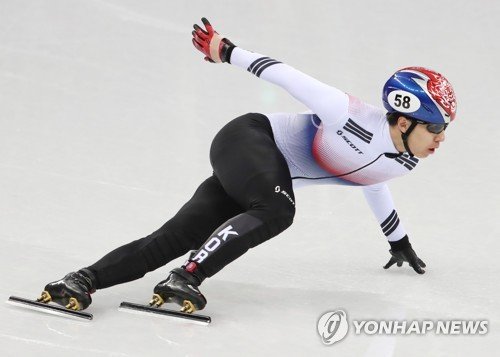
(421, 141)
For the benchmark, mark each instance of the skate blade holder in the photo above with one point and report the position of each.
(187, 306)
(162, 312)
(49, 308)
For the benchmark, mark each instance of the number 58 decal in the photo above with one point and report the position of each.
(403, 102)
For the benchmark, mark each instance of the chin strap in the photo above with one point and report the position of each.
(404, 136)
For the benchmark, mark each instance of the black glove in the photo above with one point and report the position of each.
(215, 47)
(402, 251)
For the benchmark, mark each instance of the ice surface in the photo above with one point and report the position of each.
(106, 116)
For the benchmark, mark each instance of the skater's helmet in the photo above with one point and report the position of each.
(421, 94)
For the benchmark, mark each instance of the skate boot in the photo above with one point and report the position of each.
(73, 291)
(181, 287)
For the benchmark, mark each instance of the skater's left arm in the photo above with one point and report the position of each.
(379, 199)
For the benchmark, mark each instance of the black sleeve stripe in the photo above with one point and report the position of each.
(393, 213)
(254, 63)
(260, 64)
(396, 224)
(264, 66)
(390, 223)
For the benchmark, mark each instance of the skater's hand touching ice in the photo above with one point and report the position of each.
(402, 251)
(215, 47)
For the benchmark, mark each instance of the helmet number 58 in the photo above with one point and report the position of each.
(405, 103)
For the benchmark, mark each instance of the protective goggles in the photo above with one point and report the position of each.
(433, 128)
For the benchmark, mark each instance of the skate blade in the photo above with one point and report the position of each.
(49, 308)
(162, 312)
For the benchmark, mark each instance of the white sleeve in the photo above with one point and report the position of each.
(379, 199)
(329, 103)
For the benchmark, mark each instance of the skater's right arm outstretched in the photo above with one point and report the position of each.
(329, 103)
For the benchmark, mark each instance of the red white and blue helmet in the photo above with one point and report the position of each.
(420, 93)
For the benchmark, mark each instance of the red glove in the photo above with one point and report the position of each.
(215, 47)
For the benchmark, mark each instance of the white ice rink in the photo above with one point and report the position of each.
(106, 116)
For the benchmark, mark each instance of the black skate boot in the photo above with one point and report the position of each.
(181, 287)
(73, 291)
